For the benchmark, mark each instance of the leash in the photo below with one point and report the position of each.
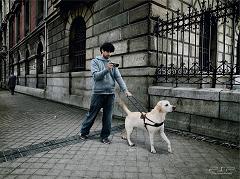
(136, 103)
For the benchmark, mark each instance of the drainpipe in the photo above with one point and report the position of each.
(45, 36)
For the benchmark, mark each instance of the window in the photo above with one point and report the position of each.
(11, 67)
(5, 70)
(18, 65)
(40, 10)
(18, 27)
(27, 63)
(208, 42)
(11, 33)
(26, 16)
(40, 59)
(77, 51)
(26, 67)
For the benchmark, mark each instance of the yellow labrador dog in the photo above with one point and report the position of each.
(153, 121)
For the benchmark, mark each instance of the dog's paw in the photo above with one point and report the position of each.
(170, 150)
(132, 145)
(153, 151)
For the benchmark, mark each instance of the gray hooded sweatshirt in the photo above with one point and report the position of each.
(104, 79)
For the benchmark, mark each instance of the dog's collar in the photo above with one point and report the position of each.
(144, 117)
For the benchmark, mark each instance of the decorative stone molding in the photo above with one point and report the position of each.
(85, 12)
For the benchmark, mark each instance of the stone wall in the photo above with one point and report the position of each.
(121, 22)
(210, 112)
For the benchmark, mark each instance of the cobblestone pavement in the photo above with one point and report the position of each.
(38, 139)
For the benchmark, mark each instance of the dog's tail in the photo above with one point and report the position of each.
(124, 106)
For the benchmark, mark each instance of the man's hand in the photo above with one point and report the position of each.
(128, 93)
(109, 66)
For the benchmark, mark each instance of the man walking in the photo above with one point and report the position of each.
(12, 83)
(104, 75)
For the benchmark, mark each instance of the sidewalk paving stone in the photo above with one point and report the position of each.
(38, 138)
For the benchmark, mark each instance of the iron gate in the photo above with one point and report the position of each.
(199, 47)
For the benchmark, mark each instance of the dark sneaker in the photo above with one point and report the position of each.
(106, 141)
(83, 137)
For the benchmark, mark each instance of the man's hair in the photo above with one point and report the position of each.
(107, 47)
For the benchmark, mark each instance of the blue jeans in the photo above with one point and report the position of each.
(98, 101)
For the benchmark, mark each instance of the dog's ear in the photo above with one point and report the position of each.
(159, 107)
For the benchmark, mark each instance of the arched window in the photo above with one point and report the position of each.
(40, 10)
(26, 16)
(11, 67)
(18, 65)
(77, 46)
(26, 66)
(5, 70)
(18, 26)
(27, 63)
(40, 59)
(11, 32)
(208, 42)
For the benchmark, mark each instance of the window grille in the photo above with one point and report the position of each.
(77, 46)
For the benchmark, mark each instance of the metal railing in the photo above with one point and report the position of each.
(199, 47)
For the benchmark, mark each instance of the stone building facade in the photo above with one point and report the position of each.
(49, 44)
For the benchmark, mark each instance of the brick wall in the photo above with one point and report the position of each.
(22, 34)
(32, 14)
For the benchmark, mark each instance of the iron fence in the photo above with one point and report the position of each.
(200, 47)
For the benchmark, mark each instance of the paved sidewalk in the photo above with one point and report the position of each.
(38, 139)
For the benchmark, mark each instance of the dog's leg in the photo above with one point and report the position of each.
(163, 135)
(129, 132)
(124, 134)
(151, 136)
